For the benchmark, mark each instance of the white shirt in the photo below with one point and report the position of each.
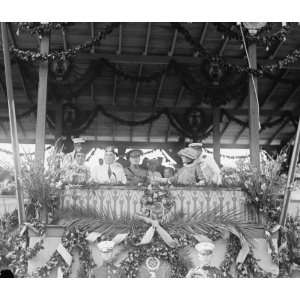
(100, 174)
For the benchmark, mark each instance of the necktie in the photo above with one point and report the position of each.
(109, 172)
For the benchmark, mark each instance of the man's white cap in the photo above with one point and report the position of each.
(205, 246)
(106, 246)
(195, 145)
(78, 140)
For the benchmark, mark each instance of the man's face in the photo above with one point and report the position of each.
(80, 158)
(135, 159)
(109, 158)
(77, 147)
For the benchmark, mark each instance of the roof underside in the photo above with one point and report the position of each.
(142, 49)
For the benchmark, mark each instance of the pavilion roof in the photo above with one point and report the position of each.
(142, 49)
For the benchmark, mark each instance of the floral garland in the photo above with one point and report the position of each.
(262, 37)
(260, 71)
(130, 265)
(41, 28)
(15, 252)
(71, 240)
(32, 56)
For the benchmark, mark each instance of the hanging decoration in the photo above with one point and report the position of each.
(265, 36)
(40, 28)
(212, 83)
(32, 56)
(291, 58)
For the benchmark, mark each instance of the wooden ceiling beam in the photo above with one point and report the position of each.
(148, 109)
(20, 71)
(140, 72)
(64, 37)
(171, 53)
(276, 50)
(202, 36)
(277, 107)
(145, 145)
(271, 139)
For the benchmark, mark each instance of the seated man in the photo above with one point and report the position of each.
(134, 173)
(78, 172)
(207, 166)
(110, 171)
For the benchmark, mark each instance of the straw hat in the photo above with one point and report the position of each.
(189, 153)
(197, 146)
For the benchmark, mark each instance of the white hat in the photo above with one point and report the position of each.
(195, 145)
(78, 140)
(106, 246)
(205, 246)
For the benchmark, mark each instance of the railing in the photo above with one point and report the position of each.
(126, 200)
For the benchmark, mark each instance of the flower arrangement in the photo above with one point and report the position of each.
(157, 202)
(265, 187)
(40, 183)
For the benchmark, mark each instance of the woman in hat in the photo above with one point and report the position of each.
(188, 174)
(208, 170)
(134, 173)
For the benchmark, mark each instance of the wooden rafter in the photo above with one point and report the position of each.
(64, 37)
(278, 131)
(87, 106)
(261, 103)
(146, 145)
(140, 72)
(22, 75)
(92, 87)
(202, 37)
(177, 100)
(115, 85)
(155, 100)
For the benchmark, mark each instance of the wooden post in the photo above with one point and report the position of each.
(253, 112)
(42, 104)
(13, 124)
(291, 177)
(216, 135)
(59, 119)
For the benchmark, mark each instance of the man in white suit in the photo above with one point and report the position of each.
(110, 172)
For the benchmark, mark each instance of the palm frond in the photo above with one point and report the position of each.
(212, 220)
(104, 221)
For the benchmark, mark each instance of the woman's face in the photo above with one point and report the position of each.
(185, 160)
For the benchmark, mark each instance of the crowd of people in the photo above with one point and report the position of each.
(198, 168)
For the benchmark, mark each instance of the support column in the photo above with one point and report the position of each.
(59, 119)
(253, 111)
(42, 104)
(216, 135)
(13, 124)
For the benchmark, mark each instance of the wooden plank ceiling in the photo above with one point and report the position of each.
(141, 49)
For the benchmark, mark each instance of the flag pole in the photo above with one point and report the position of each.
(13, 123)
(291, 177)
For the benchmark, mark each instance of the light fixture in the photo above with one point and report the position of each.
(254, 27)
